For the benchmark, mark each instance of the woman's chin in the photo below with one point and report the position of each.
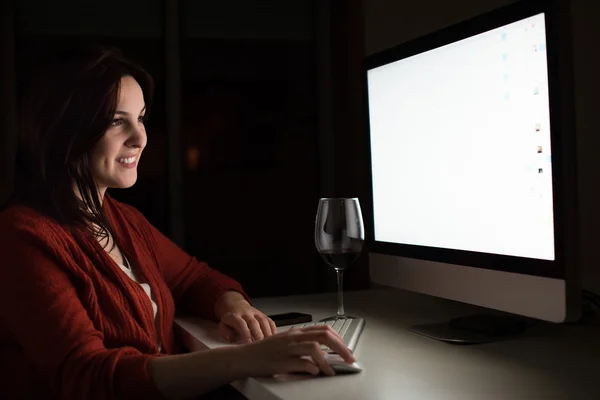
(123, 184)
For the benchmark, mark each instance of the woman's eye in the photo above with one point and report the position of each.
(142, 118)
(116, 122)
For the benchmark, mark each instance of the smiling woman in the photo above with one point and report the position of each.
(117, 153)
(79, 133)
(88, 287)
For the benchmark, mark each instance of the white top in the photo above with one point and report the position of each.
(131, 274)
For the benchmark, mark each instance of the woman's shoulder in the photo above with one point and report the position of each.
(22, 225)
(19, 217)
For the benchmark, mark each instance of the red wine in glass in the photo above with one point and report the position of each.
(342, 258)
(339, 236)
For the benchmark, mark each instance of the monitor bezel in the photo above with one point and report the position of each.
(563, 145)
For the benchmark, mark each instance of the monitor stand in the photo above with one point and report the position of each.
(474, 329)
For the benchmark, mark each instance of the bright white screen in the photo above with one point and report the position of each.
(460, 139)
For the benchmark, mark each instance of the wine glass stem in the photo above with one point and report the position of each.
(340, 292)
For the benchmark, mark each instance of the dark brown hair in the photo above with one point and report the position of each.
(64, 112)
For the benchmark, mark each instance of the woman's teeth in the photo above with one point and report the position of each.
(126, 160)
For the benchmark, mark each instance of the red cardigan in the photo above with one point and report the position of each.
(72, 324)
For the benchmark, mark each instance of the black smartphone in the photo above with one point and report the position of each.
(290, 318)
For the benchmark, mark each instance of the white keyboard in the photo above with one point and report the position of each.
(349, 329)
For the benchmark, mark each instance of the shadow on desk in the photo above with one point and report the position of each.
(226, 392)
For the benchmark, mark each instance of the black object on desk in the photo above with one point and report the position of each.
(290, 318)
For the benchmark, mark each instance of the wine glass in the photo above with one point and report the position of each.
(339, 236)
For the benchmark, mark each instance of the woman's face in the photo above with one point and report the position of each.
(116, 156)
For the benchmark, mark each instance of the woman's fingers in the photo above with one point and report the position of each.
(299, 364)
(319, 328)
(325, 336)
(254, 327)
(296, 350)
(265, 326)
(227, 332)
(240, 326)
(272, 325)
(249, 327)
(313, 350)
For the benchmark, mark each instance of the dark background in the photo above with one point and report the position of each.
(259, 112)
(256, 110)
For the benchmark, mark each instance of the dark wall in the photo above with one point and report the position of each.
(264, 19)
(131, 18)
(389, 23)
(7, 99)
(586, 36)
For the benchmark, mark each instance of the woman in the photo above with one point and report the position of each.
(88, 286)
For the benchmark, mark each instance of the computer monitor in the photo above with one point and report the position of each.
(473, 172)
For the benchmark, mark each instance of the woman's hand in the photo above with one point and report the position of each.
(239, 321)
(296, 350)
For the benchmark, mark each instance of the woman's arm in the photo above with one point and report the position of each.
(189, 375)
(239, 321)
(298, 350)
(41, 308)
(205, 292)
(194, 285)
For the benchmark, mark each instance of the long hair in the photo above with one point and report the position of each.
(65, 111)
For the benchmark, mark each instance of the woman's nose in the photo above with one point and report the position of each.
(138, 137)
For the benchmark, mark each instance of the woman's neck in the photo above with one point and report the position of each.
(101, 192)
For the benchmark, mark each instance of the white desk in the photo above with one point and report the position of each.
(549, 362)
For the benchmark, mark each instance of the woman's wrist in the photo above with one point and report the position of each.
(234, 360)
(227, 302)
(193, 374)
(245, 360)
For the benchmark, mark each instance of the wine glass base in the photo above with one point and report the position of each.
(337, 318)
